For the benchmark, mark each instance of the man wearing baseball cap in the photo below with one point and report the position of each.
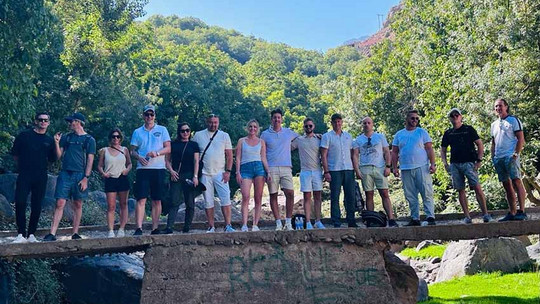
(149, 144)
(77, 150)
(466, 154)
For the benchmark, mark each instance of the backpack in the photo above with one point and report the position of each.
(374, 219)
(358, 198)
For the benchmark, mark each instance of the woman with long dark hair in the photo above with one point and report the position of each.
(183, 165)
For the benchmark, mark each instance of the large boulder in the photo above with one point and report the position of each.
(423, 291)
(7, 185)
(107, 279)
(534, 252)
(403, 279)
(5, 209)
(482, 255)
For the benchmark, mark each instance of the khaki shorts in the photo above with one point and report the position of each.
(281, 176)
(373, 178)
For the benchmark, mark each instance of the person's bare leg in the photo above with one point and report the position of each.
(226, 210)
(123, 201)
(274, 206)
(317, 199)
(462, 196)
(156, 212)
(210, 216)
(510, 196)
(245, 188)
(289, 202)
(139, 212)
(58, 212)
(480, 198)
(111, 208)
(521, 194)
(77, 214)
(307, 205)
(387, 204)
(369, 200)
(258, 186)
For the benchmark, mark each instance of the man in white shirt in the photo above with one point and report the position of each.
(336, 156)
(311, 179)
(217, 157)
(149, 144)
(507, 141)
(413, 148)
(372, 154)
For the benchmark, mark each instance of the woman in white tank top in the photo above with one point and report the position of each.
(251, 168)
(114, 166)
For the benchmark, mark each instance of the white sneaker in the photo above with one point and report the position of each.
(121, 233)
(279, 225)
(20, 239)
(110, 234)
(319, 225)
(32, 239)
(244, 228)
(309, 226)
(255, 228)
(288, 227)
(211, 230)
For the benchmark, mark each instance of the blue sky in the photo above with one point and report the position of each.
(310, 24)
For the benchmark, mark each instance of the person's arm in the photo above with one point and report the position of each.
(59, 150)
(101, 163)
(480, 153)
(168, 164)
(135, 154)
(443, 157)
(265, 161)
(354, 155)
(228, 165)
(492, 148)
(324, 160)
(163, 151)
(387, 160)
(520, 144)
(239, 160)
(195, 179)
(395, 156)
(128, 161)
(431, 155)
(83, 184)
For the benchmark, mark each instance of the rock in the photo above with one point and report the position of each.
(397, 247)
(425, 244)
(482, 255)
(435, 260)
(99, 197)
(5, 208)
(7, 186)
(103, 279)
(402, 277)
(411, 244)
(423, 291)
(524, 239)
(534, 252)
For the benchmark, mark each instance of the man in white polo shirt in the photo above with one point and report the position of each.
(278, 153)
(336, 156)
(149, 144)
(217, 156)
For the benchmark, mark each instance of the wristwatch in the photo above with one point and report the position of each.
(87, 176)
(388, 166)
(228, 170)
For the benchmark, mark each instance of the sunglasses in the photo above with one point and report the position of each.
(415, 118)
(308, 126)
(369, 142)
(116, 136)
(212, 116)
(185, 130)
(149, 114)
(454, 115)
(42, 120)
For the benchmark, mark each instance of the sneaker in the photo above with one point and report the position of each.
(392, 223)
(413, 223)
(167, 231)
(288, 227)
(352, 225)
(211, 230)
(508, 217)
(487, 218)
(137, 232)
(319, 225)
(110, 234)
(520, 216)
(20, 239)
(76, 236)
(337, 225)
(431, 221)
(309, 226)
(255, 228)
(244, 228)
(185, 229)
(155, 231)
(49, 238)
(121, 233)
(467, 220)
(32, 239)
(229, 228)
(279, 225)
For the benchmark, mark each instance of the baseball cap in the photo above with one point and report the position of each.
(149, 107)
(76, 116)
(454, 110)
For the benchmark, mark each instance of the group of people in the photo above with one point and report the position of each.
(203, 164)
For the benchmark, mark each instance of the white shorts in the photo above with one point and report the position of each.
(223, 191)
(311, 180)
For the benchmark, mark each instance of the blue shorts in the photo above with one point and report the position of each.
(507, 168)
(252, 169)
(67, 186)
(461, 170)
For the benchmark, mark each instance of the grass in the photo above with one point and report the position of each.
(488, 288)
(425, 253)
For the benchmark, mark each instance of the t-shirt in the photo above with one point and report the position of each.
(214, 158)
(339, 150)
(309, 152)
(371, 149)
(278, 146)
(76, 148)
(33, 151)
(412, 153)
(461, 142)
(503, 132)
(177, 147)
(150, 141)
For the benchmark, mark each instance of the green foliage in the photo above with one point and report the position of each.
(487, 288)
(424, 253)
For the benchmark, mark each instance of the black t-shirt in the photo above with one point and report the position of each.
(187, 161)
(461, 142)
(33, 151)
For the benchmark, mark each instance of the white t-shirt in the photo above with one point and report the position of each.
(412, 153)
(214, 158)
(371, 149)
(148, 141)
(339, 150)
(503, 132)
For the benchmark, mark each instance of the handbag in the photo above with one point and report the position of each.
(201, 164)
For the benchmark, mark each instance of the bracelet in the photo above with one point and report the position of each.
(326, 172)
(196, 176)
(157, 153)
(388, 166)
(228, 170)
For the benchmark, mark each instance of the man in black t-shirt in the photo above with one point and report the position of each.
(466, 155)
(32, 150)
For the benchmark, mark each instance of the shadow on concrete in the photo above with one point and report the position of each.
(482, 300)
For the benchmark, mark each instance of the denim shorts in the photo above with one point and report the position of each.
(461, 170)
(311, 180)
(507, 168)
(67, 186)
(252, 169)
